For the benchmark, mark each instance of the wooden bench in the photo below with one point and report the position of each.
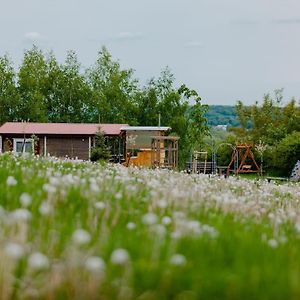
(277, 179)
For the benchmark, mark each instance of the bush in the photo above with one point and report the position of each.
(101, 151)
(286, 154)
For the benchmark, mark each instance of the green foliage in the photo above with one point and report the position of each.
(9, 98)
(222, 115)
(270, 121)
(197, 127)
(285, 155)
(101, 151)
(43, 90)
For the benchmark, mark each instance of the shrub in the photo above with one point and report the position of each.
(286, 154)
(101, 151)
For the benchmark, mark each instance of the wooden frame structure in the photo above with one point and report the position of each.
(242, 152)
(197, 164)
(164, 152)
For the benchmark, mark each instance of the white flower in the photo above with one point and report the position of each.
(100, 205)
(25, 199)
(162, 203)
(14, 250)
(273, 243)
(119, 257)
(297, 226)
(81, 237)
(166, 220)
(130, 226)
(118, 196)
(94, 264)
(178, 260)
(21, 214)
(11, 181)
(159, 230)
(38, 261)
(45, 209)
(149, 219)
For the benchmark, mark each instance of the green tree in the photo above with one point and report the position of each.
(114, 91)
(101, 151)
(197, 123)
(9, 97)
(32, 77)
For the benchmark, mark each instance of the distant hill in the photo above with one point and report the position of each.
(222, 115)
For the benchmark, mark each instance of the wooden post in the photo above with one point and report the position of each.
(45, 146)
(0, 143)
(90, 144)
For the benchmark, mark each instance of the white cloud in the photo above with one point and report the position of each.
(33, 36)
(127, 35)
(193, 44)
(295, 21)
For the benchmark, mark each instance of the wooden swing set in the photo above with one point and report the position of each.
(247, 161)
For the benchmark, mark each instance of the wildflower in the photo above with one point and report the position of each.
(149, 219)
(119, 257)
(100, 205)
(178, 260)
(273, 243)
(81, 237)
(130, 226)
(166, 220)
(118, 196)
(94, 264)
(38, 261)
(14, 250)
(11, 181)
(25, 199)
(45, 209)
(21, 214)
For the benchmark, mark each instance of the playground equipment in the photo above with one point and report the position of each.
(197, 164)
(164, 152)
(247, 161)
(295, 176)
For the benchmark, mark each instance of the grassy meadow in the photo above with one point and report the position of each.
(71, 230)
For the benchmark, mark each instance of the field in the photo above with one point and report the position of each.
(84, 231)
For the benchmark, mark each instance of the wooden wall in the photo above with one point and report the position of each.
(71, 146)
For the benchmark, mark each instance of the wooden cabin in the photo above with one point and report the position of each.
(72, 140)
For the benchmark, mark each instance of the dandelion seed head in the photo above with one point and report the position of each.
(14, 250)
(25, 199)
(149, 219)
(178, 260)
(11, 181)
(130, 226)
(38, 261)
(119, 257)
(95, 264)
(81, 237)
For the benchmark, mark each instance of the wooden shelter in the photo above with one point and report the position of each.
(247, 164)
(139, 144)
(164, 152)
(72, 140)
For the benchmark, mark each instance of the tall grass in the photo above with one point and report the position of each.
(83, 231)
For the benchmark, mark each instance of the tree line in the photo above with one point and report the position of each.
(44, 90)
(274, 124)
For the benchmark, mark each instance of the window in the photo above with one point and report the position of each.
(23, 145)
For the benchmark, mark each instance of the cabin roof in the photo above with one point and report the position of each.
(60, 128)
(145, 128)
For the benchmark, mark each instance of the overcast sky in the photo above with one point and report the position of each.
(227, 50)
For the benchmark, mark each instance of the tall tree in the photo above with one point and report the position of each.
(32, 78)
(114, 90)
(9, 97)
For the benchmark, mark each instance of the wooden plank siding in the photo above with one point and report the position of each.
(71, 146)
(58, 146)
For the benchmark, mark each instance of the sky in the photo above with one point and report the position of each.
(227, 50)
